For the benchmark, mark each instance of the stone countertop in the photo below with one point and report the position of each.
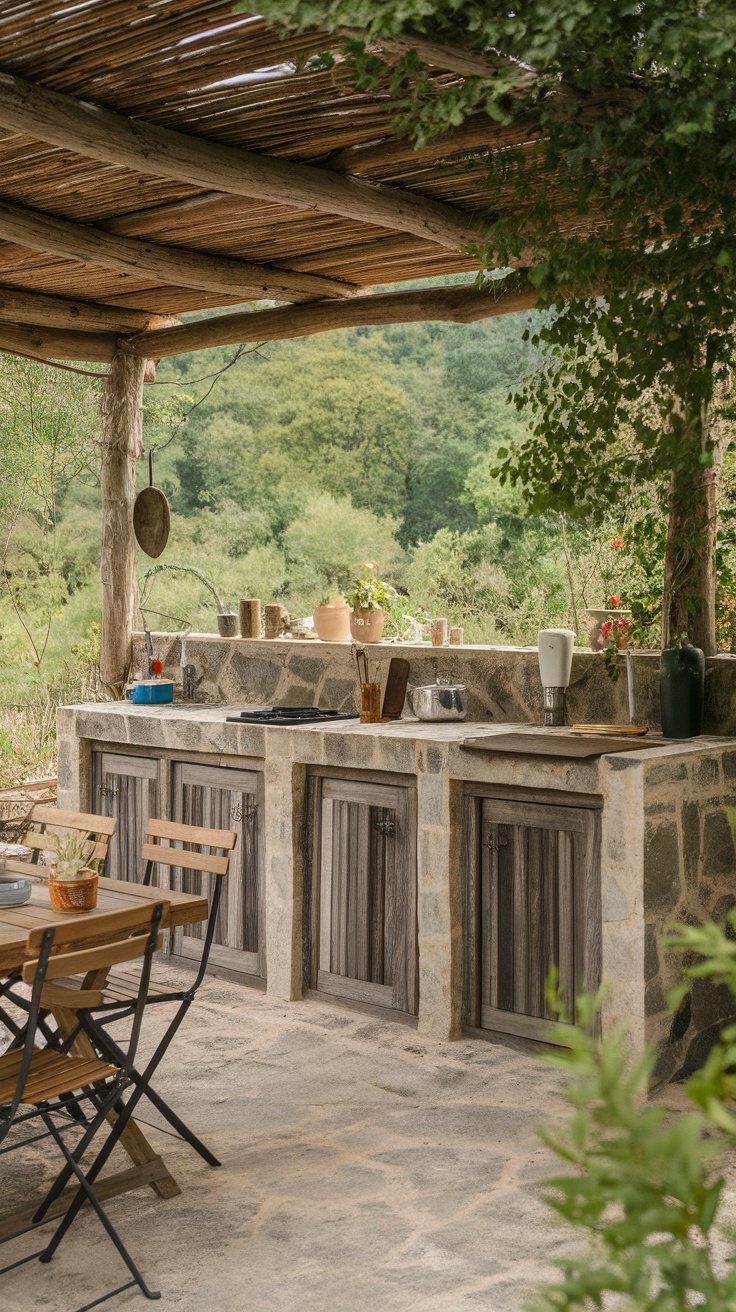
(406, 746)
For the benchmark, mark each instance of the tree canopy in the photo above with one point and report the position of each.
(620, 204)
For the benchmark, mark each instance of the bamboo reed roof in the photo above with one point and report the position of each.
(195, 67)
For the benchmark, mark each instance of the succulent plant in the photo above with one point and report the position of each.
(73, 854)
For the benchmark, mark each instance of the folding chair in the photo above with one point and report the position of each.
(121, 989)
(46, 1083)
(42, 829)
(45, 825)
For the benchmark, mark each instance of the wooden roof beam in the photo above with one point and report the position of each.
(56, 343)
(20, 306)
(101, 134)
(167, 264)
(454, 304)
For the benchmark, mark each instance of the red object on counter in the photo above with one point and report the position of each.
(157, 667)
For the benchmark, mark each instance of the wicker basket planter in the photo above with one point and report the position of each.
(73, 895)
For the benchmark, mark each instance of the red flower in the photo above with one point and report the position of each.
(621, 623)
(614, 601)
(157, 667)
(617, 544)
(605, 629)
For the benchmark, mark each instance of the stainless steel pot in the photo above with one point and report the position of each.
(439, 701)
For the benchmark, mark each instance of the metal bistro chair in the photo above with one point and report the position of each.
(121, 988)
(40, 831)
(50, 1083)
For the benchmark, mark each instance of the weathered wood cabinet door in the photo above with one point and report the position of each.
(533, 903)
(363, 915)
(126, 787)
(224, 799)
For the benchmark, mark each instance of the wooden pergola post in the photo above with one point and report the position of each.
(122, 446)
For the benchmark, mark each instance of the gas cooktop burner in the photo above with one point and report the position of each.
(290, 715)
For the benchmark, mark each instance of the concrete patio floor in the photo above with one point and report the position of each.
(364, 1168)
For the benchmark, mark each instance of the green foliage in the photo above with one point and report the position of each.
(623, 209)
(370, 593)
(28, 728)
(48, 423)
(645, 1188)
(329, 541)
(162, 567)
(641, 1188)
(73, 856)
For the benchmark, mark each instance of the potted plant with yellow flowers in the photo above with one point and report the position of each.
(370, 602)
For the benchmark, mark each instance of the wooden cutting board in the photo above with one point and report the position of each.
(551, 743)
(395, 693)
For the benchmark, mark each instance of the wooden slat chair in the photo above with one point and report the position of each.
(121, 988)
(50, 1083)
(44, 826)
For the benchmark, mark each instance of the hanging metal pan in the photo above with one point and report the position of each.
(151, 517)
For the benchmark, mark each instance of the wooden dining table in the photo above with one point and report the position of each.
(148, 1167)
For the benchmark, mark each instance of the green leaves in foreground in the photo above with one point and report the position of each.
(641, 1187)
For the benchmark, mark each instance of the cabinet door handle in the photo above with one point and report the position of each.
(239, 812)
(385, 826)
(494, 843)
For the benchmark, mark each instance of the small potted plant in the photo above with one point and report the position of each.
(73, 875)
(609, 623)
(332, 619)
(369, 601)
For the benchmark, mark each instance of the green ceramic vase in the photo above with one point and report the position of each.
(681, 688)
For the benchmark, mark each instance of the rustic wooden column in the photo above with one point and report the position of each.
(122, 445)
(689, 594)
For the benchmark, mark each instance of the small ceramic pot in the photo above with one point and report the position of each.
(332, 623)
(599, 617)
(366, 625)
(227, 624)
(73, 895)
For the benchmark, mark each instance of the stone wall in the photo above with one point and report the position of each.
(689, 877)
(503, 682)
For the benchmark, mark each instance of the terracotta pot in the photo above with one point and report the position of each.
(367, 625)
(74, 895)
(332, 623)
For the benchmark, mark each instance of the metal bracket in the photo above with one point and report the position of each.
(239, 812)
(387, 826)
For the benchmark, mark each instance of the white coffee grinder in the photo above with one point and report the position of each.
(555, 662)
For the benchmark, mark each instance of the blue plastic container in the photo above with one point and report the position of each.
(151, 692)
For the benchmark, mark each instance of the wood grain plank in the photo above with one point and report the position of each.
(566, 893)
(356, 790)
(341, 986)
(551, 908)
(325, 884)
(549, 743)
(528, 1027)
(536, 814)
(535, 920)
(521, 921)
(472, 934)
(361, 895)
